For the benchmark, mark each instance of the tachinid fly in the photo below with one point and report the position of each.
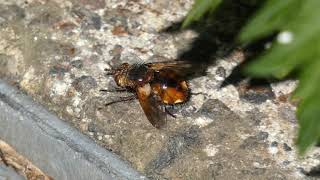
(156, 85)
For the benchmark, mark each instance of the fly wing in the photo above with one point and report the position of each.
(181, 68)
(151, 107)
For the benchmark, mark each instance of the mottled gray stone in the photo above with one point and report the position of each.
(256, 116)
(174, 148)
(53, 146)
(11, 12)
(77, 64)
(221, 72)
(93, 4)
(257, 97)
(274, 144)
(287, 113)
(262, 135)
(255, 91)
(84, 83)
(286, 147)
(58, 70)
(96, 21)
(7, 173)
(213, 108)
(314, 173)
(254, 141)
(58, 50)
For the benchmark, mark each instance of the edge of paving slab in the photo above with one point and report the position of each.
(52, 145)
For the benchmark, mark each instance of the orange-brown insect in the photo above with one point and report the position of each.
(155, 85)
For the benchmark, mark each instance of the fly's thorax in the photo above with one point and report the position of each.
(132, 76)
(140, 74)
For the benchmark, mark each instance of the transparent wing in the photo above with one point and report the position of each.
(181, 68)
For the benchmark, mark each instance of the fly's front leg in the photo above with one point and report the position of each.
(114, 90)
(122, 99)
(168, 112)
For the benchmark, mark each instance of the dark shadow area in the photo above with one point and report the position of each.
(217, 33)
(251, 52)
(314, 172)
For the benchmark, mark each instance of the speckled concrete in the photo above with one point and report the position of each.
(52, 145)
(7, 173)
(56, 51)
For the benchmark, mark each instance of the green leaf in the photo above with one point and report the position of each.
(200, 7)
(308, 115)
(306, 89)
(309, 119)
(309, 108)
(301, 52)
(297, 21)
(271, 17)
(282, 58)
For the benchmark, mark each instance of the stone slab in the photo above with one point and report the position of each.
(52, 145)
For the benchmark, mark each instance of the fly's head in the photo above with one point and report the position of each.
(120, 75)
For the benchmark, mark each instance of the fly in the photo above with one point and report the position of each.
(155, 85)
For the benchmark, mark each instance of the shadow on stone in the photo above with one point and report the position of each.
(314, 172)
(175, 147)
(217, 34)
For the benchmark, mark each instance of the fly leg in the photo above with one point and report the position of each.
(114, 90)
(122, 99)
(168, 112)
(191, 93)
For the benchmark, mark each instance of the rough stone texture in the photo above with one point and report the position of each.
(57, 51)
(9, 173)
(38, 139)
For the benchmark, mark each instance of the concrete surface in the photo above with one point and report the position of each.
(56, 51)
(7, 173)
(55, 147)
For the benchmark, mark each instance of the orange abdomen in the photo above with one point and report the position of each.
(171, 95)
